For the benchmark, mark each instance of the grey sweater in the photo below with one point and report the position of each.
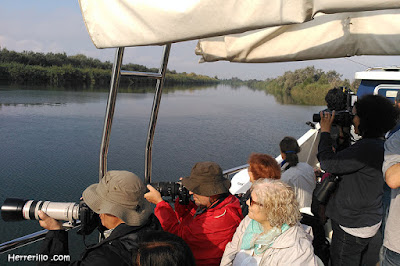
(392, 229)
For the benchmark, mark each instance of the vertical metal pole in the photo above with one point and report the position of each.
(154, 114)
(112, 97)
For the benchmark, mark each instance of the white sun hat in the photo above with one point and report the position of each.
(240, 182)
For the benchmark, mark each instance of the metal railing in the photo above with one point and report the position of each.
(34, 237)
(229, 172)
(22, 241)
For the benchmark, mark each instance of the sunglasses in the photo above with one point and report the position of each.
(254, 202)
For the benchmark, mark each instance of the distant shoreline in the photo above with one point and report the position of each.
(51, 71)
(60, 70)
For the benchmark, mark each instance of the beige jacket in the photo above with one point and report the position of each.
(293, 247)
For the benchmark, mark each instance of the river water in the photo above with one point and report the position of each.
(50, 139)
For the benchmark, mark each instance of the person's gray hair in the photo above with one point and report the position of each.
(278, 200)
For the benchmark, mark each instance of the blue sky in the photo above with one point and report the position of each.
(57, 26)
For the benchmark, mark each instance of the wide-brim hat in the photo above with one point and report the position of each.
(206, 179)
(119, 193)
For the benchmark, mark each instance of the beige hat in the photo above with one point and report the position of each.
(206, 179)
(119, 193)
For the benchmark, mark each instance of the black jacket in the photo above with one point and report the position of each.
(114, 250)
(357, 201)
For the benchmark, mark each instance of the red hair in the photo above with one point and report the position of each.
(263, 166)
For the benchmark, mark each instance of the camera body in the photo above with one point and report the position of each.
(343, 118)
(341, 100)
(173, 190)
(14, 209)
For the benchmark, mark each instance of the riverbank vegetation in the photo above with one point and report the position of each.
(307, 86)
(58, 69)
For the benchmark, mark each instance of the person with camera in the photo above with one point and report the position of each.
(118, 199)
(355, 207)
(208, 222)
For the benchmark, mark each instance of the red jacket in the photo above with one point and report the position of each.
(206, 234)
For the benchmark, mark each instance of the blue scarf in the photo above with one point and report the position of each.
(255, 238)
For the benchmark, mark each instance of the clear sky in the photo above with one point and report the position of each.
(57, 26)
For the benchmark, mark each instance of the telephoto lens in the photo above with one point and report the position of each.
(170, 189)
(173, 189)
(14, 209)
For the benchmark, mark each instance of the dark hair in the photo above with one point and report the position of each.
(264, 166)
(397, 99)
(291, 148)
(162, 249)
(336, 99)
(377, 115)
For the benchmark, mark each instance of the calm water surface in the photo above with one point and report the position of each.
(50, 140)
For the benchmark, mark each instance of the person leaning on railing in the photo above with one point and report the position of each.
(118, 199)
(355, 208)
(271, 233)
(208, 223)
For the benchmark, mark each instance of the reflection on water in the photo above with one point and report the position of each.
(50, 140)
(30, 104)
(284, 98)
(281, 97)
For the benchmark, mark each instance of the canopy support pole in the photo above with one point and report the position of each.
(154, 114)
(112, 97)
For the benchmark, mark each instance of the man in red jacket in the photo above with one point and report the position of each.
(208, 223)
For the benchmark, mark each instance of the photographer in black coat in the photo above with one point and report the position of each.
(119, 201)
(355, 208)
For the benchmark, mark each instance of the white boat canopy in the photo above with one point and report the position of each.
(326, 36)
(123, 23)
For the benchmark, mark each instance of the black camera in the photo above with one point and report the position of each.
(342, 118)
(340, 100)
(173, 190)
(14, 209)
(324, 190)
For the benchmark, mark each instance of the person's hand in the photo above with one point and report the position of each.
(326, 121)
(49, 223)
(153, 196)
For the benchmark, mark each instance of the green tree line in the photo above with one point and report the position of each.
(306, 86)
(59, 69)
